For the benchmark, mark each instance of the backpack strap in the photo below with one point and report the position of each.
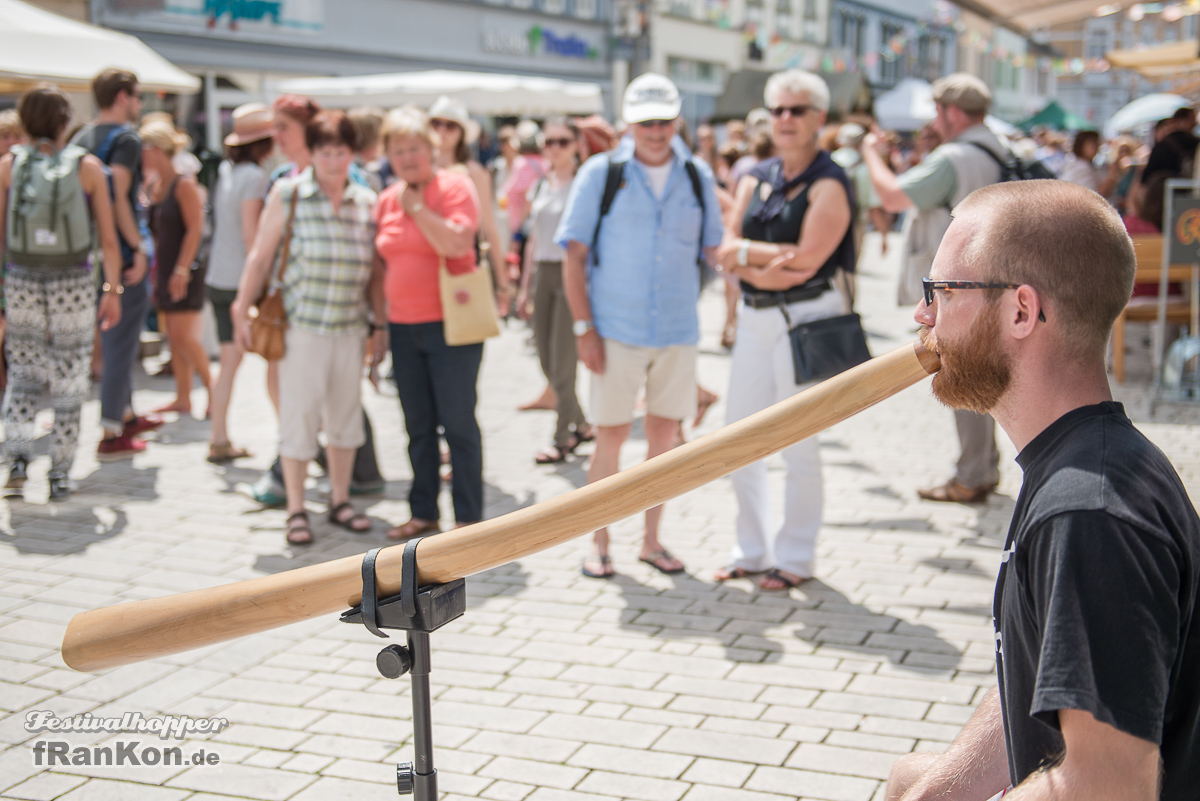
(697, 189)
(1005, 166)
(105, 150)
(614, 180)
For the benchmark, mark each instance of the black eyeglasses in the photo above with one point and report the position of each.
(795, 111)
(564, 142)
(656, 123)
(929, 286)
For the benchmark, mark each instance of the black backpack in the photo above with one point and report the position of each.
(615, 180)
(1013, 169)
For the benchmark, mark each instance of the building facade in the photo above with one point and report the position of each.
(1089, 88)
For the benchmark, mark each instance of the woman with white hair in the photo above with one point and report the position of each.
(790, 232)
(177, 222)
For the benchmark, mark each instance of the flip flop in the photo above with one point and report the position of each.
(656, 559)
(729, 573)
(338, 518)
(606, 569)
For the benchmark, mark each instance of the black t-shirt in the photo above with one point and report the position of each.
(125, 150)
(1097, 597)
(1171, 155)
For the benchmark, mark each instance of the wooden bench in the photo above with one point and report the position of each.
(1144, 308)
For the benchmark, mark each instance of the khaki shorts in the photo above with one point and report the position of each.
(669, 375)
(320, 388)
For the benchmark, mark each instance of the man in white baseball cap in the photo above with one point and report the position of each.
(635, 224)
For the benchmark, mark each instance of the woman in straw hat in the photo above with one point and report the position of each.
(456, 132)
(237, 203)
(177, 222)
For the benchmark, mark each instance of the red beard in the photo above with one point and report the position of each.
(975, 373)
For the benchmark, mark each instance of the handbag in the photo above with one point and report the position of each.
(269, 324)
(823, 348)
(468, 308)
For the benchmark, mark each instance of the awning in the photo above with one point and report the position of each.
(848, 91)
(1030, 14)
(482, 93)
(1159, 61)
(36, 45)
(1053, 115)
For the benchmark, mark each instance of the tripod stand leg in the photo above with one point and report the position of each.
(424, 775)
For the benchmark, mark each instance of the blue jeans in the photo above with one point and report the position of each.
(121, 345)
(436, 382)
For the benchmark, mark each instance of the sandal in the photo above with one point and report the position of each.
(413, 528)
(222, 452)
(554, 454)
(659, 561)
(587, 434)
(605, 563)
(352, 523)
(777, 575)
(729, 573)
(298, 531)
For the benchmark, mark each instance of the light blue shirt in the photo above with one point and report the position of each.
(644, 289)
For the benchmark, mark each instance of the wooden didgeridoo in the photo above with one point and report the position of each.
(131, 632)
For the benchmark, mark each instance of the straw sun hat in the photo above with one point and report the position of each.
(252, 122)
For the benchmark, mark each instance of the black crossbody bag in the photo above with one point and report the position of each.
(823, 348)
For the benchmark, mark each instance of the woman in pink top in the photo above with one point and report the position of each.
(427, 215)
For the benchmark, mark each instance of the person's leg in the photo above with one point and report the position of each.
(906, 771)
(670, 399)
(733, 296)
(979, 461)
(273, 384)
(661, 436)
(751, 389)
(299, 418)
(606, 461)
(190, 323)
(365, 476)
(410, 360)
(72, 315)
(562, 358)
(295, 471)
(454, 374)
(25, 348)
(121, 345)
(231, 358)
(340, 369)
(181, 367)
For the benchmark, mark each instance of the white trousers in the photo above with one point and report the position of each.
(761, 375)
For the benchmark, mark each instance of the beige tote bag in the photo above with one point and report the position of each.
(468, 305)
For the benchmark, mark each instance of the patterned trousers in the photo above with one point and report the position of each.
(51, 324)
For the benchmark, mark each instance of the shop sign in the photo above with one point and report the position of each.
(538, 40)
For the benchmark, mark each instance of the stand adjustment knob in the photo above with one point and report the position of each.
(404, 778)
(393, 662)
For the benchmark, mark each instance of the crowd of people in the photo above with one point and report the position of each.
(608, 237)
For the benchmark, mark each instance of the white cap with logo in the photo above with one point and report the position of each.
(650, 96)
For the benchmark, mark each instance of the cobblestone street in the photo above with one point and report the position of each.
(553, 686)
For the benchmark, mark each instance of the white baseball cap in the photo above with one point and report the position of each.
(650, 97)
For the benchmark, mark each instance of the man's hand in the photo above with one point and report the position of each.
(239, 314)
(109, 312)
(134, 274)
(522, 306)
(591, 351)
(877, 142)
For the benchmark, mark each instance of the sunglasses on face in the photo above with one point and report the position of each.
(564, 142)
(439, 124)
(929, 286)
(795, 111)
(655, 123)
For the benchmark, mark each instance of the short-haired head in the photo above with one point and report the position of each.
(45, 112)
(796, 82)
(408, 121)
(300, 108)
(10, 124)
(368, 120)
(108, 85)
(963, 91)
(1065, 241)
(330, 128)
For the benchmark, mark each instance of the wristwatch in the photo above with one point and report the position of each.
(118, 289)
(581, 327)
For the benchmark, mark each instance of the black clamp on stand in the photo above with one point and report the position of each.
(419, 611)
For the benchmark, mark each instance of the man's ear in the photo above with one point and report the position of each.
(1024, 307)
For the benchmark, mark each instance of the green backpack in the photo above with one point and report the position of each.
(49, 223)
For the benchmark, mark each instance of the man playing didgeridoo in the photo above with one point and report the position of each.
(1097, 631)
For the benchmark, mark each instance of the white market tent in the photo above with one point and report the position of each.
(484, 94)
(36, 45)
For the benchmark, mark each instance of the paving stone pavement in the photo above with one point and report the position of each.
(552, 687)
